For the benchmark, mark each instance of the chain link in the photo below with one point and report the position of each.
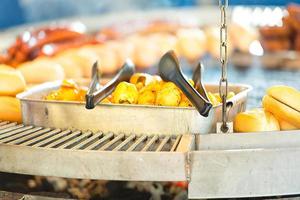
(223, 85)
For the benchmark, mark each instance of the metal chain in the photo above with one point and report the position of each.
(223, 85)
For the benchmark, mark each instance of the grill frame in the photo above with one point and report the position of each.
(76, 154)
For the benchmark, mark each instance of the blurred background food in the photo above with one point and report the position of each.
(66, 49)
(263, 39)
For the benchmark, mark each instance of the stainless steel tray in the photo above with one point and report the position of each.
(126, 119)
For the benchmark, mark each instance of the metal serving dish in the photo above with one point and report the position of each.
(126, 119)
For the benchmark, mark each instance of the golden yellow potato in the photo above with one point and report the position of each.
(154, 86)
(69, 91)
(106, 100)
(213, 99)
(229, 96)
(125, 93)
(147, 97)
(185, 102)
(169, 95)
(141, 79)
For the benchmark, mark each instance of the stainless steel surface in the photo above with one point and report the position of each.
(93, 96)
(80, 154)
(125, 119)
(170, 70)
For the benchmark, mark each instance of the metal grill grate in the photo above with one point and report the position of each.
(18, 134)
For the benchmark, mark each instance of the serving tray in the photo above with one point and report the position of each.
(138, 119)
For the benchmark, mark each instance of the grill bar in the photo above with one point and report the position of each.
(30, 136)
(51, 139)
(75, 140)
(101, 141)
(178, 138)
(14, 132)
(11, 128)
(19, 134)
(88, 141)
(63, 139)
(116, 139)
(150, 143)
(41, 137)
(7, 125)
(139, 141)
(124, 143)
(163, 143)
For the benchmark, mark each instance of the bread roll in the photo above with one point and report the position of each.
(255, 120)
(108, 60)
(10, 109)
(287, 95)
(191, 43)
(11, 81)
(71, 68)
(146, 53)
(285, 126)
(41, 70)
(281, 110)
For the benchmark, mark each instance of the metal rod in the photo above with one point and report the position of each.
(19, 135)
(124, 143)
(11, 128)
(51, 139)
(162, 144)
(14, 132)
(149, 144)
(75, 140)
(178, 138)
(41, 137)
(116, 139)
(134, 145)
(101, 141)
(63, 139)
(88, 141)
(30, 136)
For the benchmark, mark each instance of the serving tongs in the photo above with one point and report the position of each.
(197, 78)
(96, 93)
(170, 70)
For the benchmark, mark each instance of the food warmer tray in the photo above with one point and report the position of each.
(126, 119)
(215, 165)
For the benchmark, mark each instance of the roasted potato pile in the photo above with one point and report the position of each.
(142, 89)
(69, 91)
(145, 89)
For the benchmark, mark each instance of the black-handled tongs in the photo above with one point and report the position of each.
(96, 94)
(170, 70)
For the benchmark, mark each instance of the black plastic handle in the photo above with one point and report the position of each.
(127, 70)
(169, 70)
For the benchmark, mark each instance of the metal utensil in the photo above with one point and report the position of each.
(169, 70)
(95, 95)
(197, 78)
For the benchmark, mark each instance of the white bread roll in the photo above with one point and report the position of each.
(41, 70)
(11, 81)
(71, 68)
(10, 109)
(146, 53)
(256, 120)
(191, 43)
